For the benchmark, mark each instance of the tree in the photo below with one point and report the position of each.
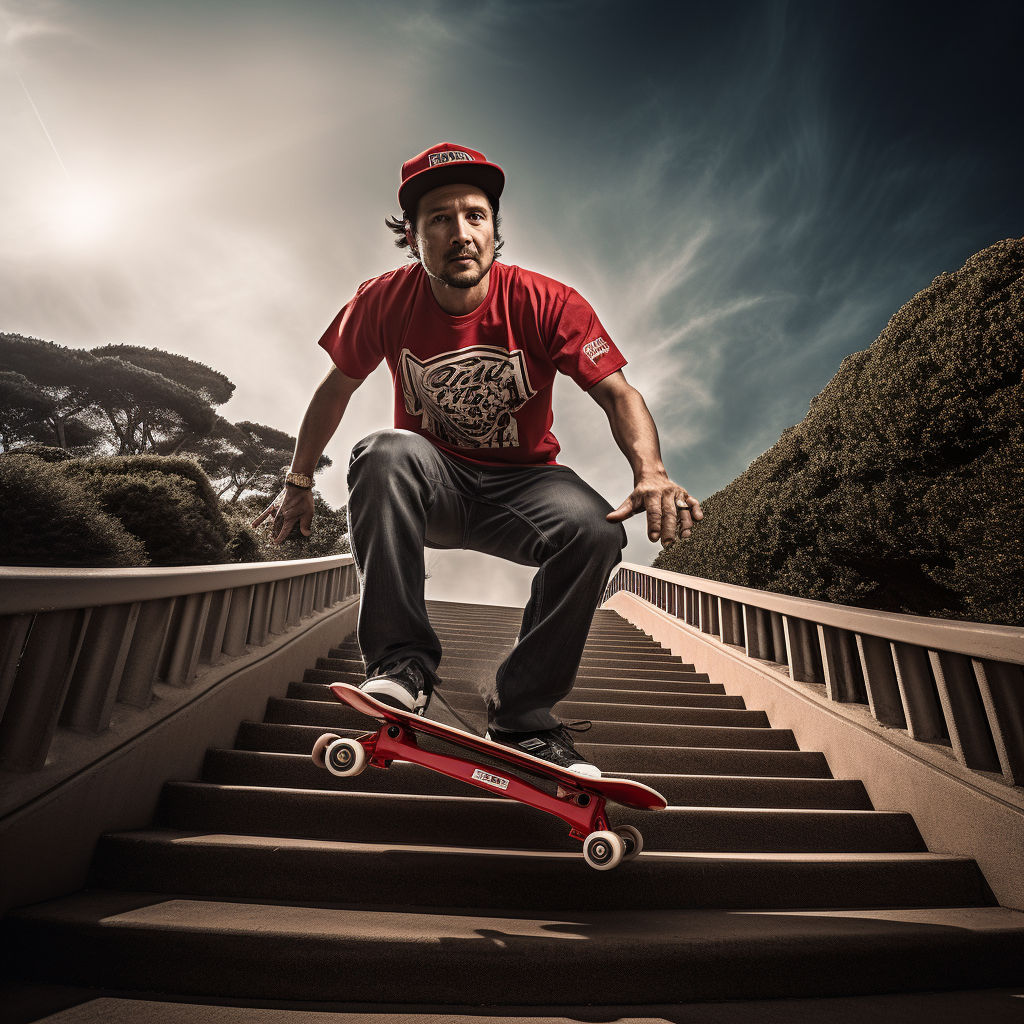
(211, 385)
(23, 408)
(259, 461)
(146, 410)
(65, 376)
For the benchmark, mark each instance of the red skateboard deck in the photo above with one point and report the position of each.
(579, 800)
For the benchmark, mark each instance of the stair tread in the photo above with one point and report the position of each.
(244, 767)
(287, 737)
(493, 821)
(187, 838)
(681, 930)
(290, 950)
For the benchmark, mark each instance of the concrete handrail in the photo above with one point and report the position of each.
(943, 681)
(75, 642)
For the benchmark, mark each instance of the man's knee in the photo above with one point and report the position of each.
(607, 538)
(590, 529)
(385, 452)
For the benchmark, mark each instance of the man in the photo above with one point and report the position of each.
(473, 346)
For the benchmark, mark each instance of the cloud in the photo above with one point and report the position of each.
(741, 199)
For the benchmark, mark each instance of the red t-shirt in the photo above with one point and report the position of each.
(478, 386)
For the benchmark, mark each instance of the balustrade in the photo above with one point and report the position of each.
(76, 642)
(960, 684)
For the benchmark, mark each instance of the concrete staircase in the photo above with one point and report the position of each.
(271, 880)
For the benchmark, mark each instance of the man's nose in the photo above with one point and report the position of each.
(460, 231)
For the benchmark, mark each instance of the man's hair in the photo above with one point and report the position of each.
(397, 225)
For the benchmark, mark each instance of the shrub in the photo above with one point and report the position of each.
(328, 535)
(166, 502)
(900, 490)
(51, 520)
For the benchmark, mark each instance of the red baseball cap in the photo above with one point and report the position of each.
(447, 164)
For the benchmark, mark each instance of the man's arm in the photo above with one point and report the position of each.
(669, 507)
(327, 406)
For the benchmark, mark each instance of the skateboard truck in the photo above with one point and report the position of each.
(580, 806)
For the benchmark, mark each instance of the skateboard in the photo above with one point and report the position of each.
(579, 801)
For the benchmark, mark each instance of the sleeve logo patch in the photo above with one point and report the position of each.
(447, 156)
(492, 780)
(596, 348)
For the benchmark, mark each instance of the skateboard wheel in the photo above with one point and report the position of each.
(633, 840)
(603, 850)
(320, 746)
(345, 757)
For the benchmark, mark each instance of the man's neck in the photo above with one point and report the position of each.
(460, 301)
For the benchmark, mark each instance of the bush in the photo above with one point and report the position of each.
(167, 502)
(42, 451)
(328, 535)
(900, 490)
(51, 520)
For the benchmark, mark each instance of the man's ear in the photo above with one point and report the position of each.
(410, 237)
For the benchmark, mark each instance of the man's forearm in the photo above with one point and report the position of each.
(323, 415)
(634, 432)
(669, 507)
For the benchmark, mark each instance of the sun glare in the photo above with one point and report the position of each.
(83, 218)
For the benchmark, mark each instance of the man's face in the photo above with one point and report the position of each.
(454, 235)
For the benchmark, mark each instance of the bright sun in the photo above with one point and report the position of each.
(84, 218)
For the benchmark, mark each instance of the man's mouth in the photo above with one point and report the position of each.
(463, 258)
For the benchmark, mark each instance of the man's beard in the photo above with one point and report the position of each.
(466, 278)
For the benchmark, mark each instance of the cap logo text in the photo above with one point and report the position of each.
(447, 156)
(596, 348)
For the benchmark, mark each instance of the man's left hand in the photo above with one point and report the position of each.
(671, 512)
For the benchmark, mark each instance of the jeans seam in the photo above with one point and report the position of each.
(519, 515)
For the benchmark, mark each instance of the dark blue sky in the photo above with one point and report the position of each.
(744, 191)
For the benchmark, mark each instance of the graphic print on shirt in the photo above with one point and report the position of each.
(468, 397)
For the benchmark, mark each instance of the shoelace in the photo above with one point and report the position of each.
(469, 728)
(400, 666)
(563, 732)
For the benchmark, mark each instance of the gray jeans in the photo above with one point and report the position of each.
(404, 494)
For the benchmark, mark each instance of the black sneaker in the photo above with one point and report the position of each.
(406, 685)
(554, 745)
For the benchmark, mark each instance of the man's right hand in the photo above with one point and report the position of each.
(293, 505)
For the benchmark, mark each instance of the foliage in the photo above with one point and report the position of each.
(256, 458)
(901, 489)
(168, 503)
(211, 385)
(328, 534)
(132, 400)
(52, 520)
(147, 411)
(23, 408)
(65, 377)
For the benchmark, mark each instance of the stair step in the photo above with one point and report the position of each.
(328, 714)
(297, 771)
(498, 822)
(308, 952)
(568, 710)
(497, 650)
(612, 757)
(699, 684)
(255, 867)
(321, 691)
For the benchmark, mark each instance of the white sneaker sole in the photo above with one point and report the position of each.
(584, 768)
(387, 691)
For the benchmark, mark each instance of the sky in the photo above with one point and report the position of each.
(744, 191)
